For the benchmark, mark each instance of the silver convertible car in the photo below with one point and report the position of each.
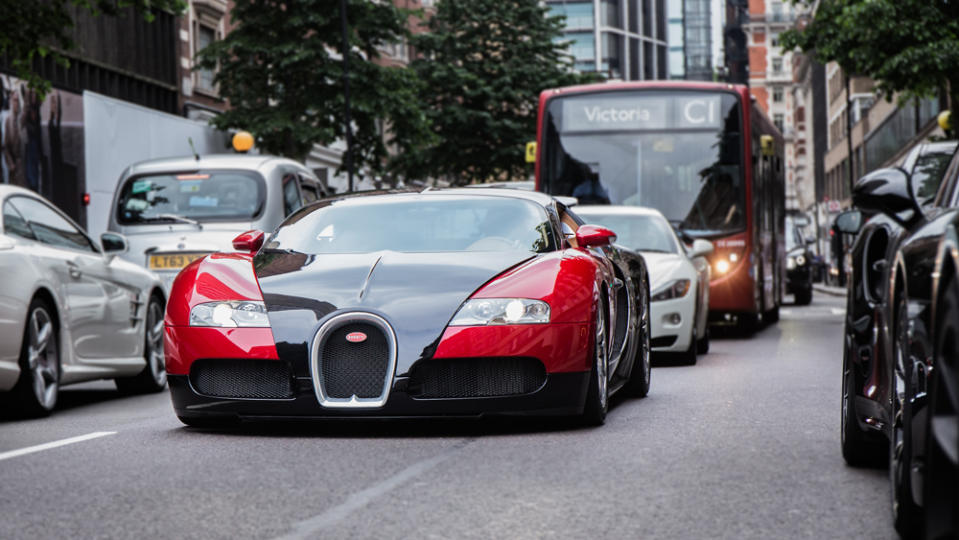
(70, 309)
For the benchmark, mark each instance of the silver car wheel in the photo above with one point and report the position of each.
(154, 343)
(602, 362)
(43, 360)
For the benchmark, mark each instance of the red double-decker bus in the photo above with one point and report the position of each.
(701, 153)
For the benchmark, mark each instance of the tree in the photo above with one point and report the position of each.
(906, 46)
(484, 63)
(33, 28)
(281, 71)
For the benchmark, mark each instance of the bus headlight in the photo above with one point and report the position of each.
(722, 266)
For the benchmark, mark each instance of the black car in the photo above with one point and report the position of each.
(900, 383)
(799, 260)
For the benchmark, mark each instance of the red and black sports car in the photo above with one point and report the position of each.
(441, 303)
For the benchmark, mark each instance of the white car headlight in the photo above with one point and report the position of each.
(673, 289)
(232, 314)
(494, 311)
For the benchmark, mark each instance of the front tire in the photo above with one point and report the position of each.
(153, 377)
(597, 397)
(639, 378)
(702, 345)
(37, 389)
(858, 448)
(906, 514)
(803, 297)
(941, 474)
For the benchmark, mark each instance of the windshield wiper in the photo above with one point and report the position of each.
(179, 219)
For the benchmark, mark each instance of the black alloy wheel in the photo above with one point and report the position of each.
(905, 512)
(702, 345)
(859, 449)
(597, 397)
(38, 387)
(153, 378)
(639, 378)
(941, 472)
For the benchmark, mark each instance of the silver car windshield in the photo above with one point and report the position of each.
(205, 196)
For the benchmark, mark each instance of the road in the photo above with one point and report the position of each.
(745, 444)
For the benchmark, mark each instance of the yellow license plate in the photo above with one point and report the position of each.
(173, 261)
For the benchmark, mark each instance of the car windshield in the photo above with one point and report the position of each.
(210, 195)
(636, 232)
(678, 152)
(416, 223)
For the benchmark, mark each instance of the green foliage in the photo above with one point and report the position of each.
(34, 28)
(906, 46)
(484, 63)
(281, 70)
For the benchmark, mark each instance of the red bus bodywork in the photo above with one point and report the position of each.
(758, 252)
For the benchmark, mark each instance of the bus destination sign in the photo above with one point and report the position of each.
(606, 112)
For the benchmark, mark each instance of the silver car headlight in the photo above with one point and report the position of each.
(671, 290)
(231, 314)
(495, 311)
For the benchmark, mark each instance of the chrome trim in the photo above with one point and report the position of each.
(352, 402)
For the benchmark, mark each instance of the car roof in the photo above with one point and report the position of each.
(617, 210)
(213, 161)
(9, 189)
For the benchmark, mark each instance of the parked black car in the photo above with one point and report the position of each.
(901, 356)
(799, 260)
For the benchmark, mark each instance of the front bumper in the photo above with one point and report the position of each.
(660, 328)
(562, 394)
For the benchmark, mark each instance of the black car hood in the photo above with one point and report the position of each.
(417, 293)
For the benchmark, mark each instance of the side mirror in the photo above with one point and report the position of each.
(849, 222)
(249, 242)
(594, 235)
(113, 243)
(700, 248)
(885, 190)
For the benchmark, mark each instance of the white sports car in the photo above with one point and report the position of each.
(70, 310)
(679, 288)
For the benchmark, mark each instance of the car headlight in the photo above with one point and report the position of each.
(232, 314)
(673, 289)
(494, 311)
(800, 260)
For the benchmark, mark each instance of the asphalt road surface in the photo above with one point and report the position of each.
(745, 444)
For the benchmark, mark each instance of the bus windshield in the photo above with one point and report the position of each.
(677, 151)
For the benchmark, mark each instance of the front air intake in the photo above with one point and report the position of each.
(243, 379)
(353, 359)
(476, 377)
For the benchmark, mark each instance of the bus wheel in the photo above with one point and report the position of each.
(749, 322)
(771, 316)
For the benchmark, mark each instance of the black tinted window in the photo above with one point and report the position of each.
(50, 227)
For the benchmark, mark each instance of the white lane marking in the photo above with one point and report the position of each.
(54, 444)
(838, 311)
(309, 527)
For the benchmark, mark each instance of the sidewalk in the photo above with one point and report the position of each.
(828, 289)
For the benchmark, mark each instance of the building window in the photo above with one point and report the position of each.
(778, 120)
(578, 15)
(774, 39)
(778, 94)
(777, 65)
(204, 37)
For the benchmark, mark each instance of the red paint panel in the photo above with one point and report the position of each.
(565, 280)
(184, 345)
(561, 347)
(220, 276)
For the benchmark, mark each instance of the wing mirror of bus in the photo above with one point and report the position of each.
(849, 222)
(249, 242)
(593, 236)
(888, 191)
(700, 248)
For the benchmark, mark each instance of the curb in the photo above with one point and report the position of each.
(832, 291)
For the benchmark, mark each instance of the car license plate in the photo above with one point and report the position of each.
(172, 261)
